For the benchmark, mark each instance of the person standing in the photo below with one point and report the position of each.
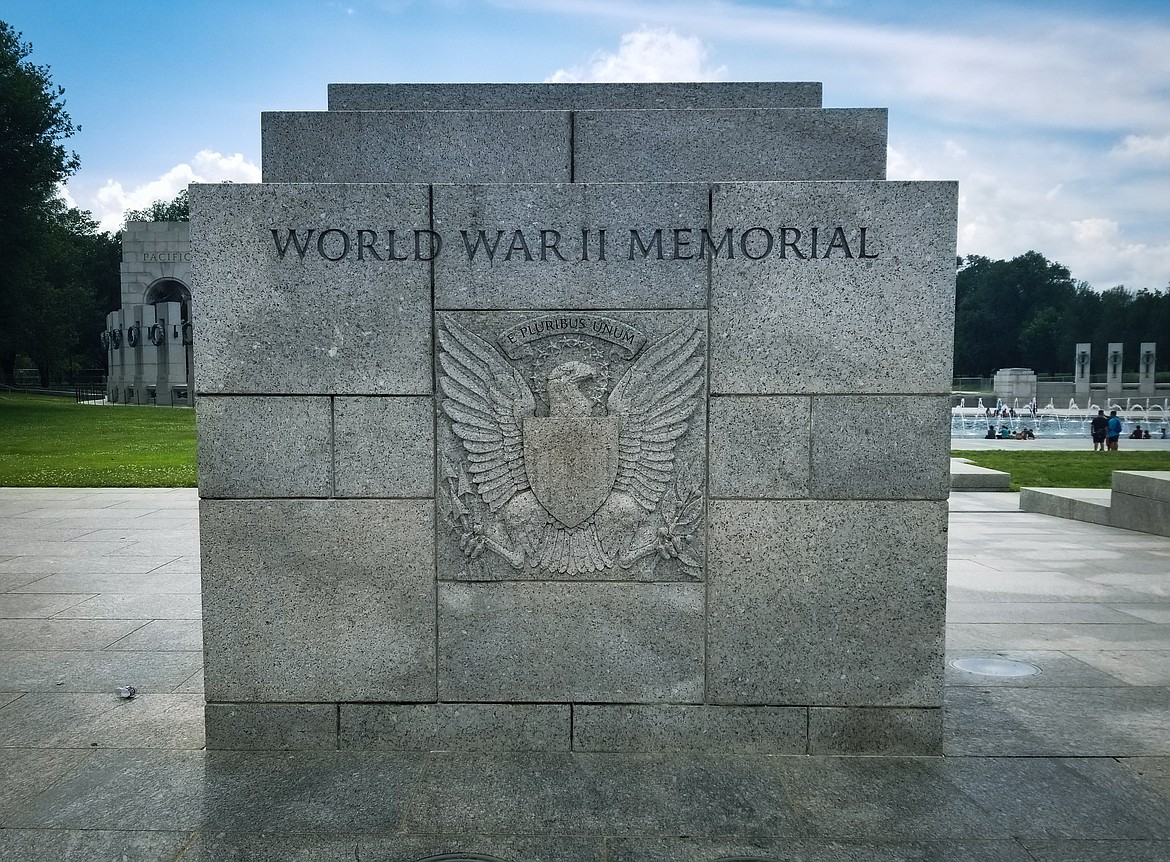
(1098, 427)
(1113, 431)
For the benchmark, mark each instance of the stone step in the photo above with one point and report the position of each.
(1151, 484)
(966, 476)
(1079, 504)
(576, 97)
(524, 146)
(1141, 501)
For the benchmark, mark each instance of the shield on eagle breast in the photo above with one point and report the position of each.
(572, 463)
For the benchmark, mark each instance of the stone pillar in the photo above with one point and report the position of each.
(1113, 366)
(1082, 367)
(176, 352)
(113, 365)
(1147, 363)
(1015, 384)
(125, 358)
(135, 355)
(156, 331)
(555, 444)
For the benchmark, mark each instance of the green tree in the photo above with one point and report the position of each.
(1029, 312)
(1011, 313)
(175, 210)
(59, 301)
(33, 161)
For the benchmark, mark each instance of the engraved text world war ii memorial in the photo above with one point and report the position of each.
(574, 417)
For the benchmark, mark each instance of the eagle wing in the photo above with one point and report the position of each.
(655, 398)
(487, 402)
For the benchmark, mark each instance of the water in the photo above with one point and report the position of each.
(1050, 421)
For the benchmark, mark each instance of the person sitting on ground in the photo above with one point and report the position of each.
(990, 435)
(1004, 432)
(1145, 435)
(1137, 433)
(1028, 435)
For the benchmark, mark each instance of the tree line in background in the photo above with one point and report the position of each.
(62, 275)
(1029, 312)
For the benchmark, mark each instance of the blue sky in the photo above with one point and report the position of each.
(1054, 115)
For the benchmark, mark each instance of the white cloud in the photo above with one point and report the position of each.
(1038, 69)
(1144, 147)
(111, 201)
(955, 150)
(647, 54)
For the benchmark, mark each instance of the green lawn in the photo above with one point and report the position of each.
(48, 441)
(52, 442)
(1086, 469)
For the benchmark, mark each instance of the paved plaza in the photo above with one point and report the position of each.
(100, 587)
(1056, 444)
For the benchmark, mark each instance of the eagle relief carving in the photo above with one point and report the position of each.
(568, 478)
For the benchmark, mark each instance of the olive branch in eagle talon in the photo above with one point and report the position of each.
(473, 537)
(571, 492)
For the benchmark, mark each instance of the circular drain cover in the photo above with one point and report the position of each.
(995, 667)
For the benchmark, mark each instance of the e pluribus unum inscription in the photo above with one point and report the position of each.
(571, 447)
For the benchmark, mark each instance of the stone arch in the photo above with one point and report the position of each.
(169, 290)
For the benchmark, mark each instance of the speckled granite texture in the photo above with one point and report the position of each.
(555, 418)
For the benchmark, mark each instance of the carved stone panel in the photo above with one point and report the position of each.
(571, 446)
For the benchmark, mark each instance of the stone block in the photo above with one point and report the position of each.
(456, 726)
(304, 601)
(1152, 484)
(416, 147)
(729, 145)
(881, 446)
(965, 476)
(827, 603)
(873, 316)
(563, 97)
(269, 320)
(759, 447)
(874, 730)
(1091, 505)
(571, 446)
(384, 447)
(562, 246)
(673, 727)
(264, 446)
(540, 642)
(1143, 514)
(271, 726)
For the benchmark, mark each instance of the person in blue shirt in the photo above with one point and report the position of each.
(1113, 432)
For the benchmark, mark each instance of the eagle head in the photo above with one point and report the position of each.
(565, 397)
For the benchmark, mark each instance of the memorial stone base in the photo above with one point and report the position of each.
(574, 417)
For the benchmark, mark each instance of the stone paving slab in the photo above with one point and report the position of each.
(121, 606)
(1070, 764)
(1097, 851)
(95, 670)
(1058, 722)
(1057, 669)
(102, 720)
(337, 792)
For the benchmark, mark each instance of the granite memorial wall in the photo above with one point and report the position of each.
(574, 417)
